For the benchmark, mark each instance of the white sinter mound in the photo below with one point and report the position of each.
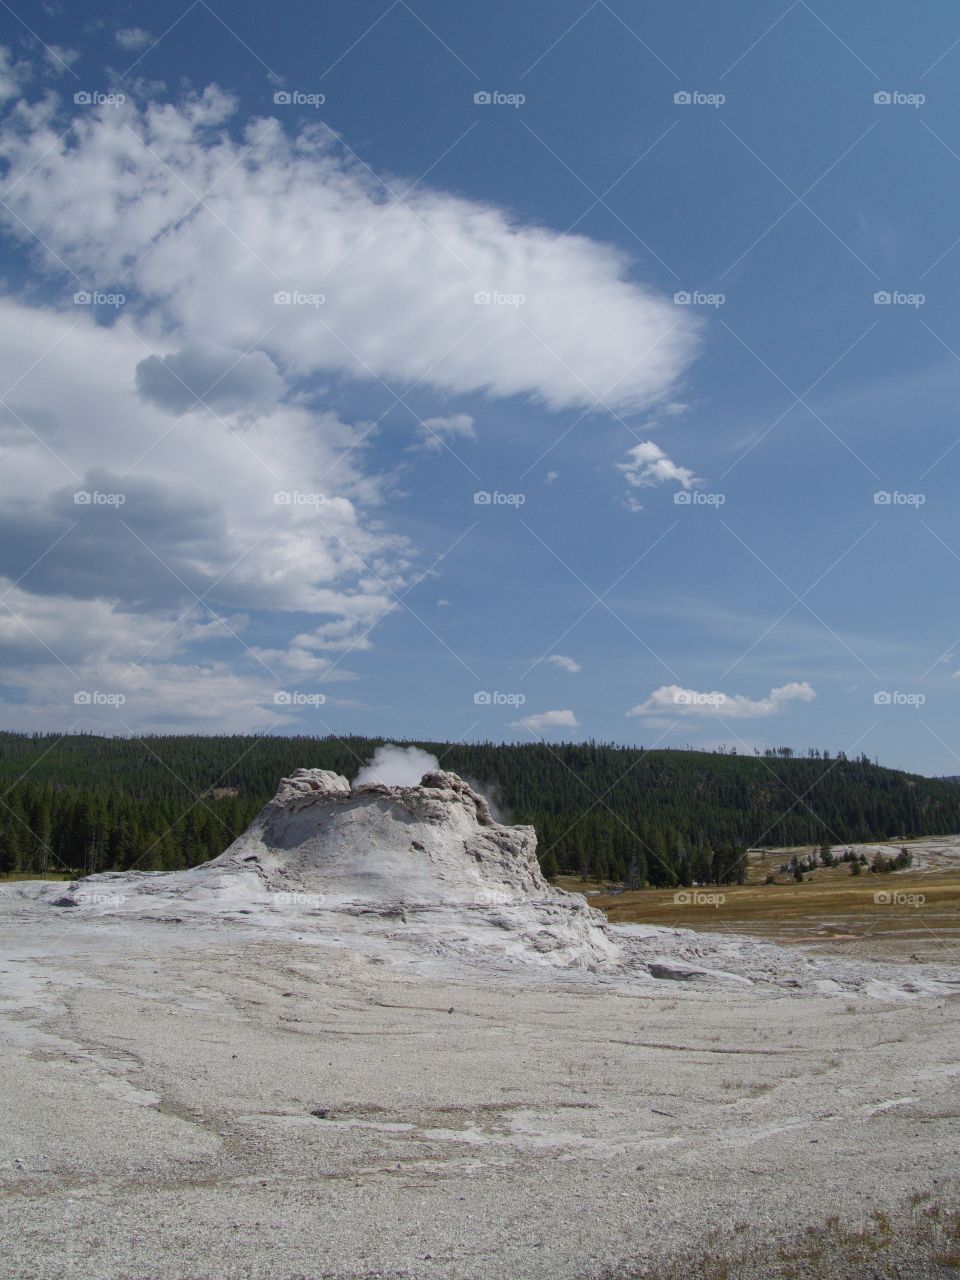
(422, 868)
(425, 871)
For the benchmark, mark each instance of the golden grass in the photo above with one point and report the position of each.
(831, 905)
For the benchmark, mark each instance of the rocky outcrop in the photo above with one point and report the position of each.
(305, 786)
(430, 857)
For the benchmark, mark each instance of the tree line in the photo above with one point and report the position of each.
(663, 817)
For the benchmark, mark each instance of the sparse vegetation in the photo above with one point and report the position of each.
(910, 1243)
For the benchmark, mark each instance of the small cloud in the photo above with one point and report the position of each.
(437, 432)
(205, 376)
(565, 664)
(133, 38)
(443, 604)
(13, 75)
(61, 57)
(650, 466)
(544, 721)
(674, 700)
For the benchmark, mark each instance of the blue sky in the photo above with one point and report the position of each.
(685, 543)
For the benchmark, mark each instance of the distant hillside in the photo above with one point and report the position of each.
(661, 816)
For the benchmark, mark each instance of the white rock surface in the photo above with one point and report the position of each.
(425, 874)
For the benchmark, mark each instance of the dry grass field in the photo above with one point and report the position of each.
(903, 914)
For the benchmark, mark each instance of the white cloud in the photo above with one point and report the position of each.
(223, 381)
(132, 38)
(13, 75)
(565, 664)
(545, 721)
(650, 466)
(261, 505)
(398, 272)
(673, 700)
(180, 528)
(61, 57)
(439, 433)
(117, 584)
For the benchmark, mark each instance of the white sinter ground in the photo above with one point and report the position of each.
(370, 1039)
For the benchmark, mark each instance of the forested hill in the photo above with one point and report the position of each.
(90, 803)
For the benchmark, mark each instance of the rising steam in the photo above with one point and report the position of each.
(397, 766)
